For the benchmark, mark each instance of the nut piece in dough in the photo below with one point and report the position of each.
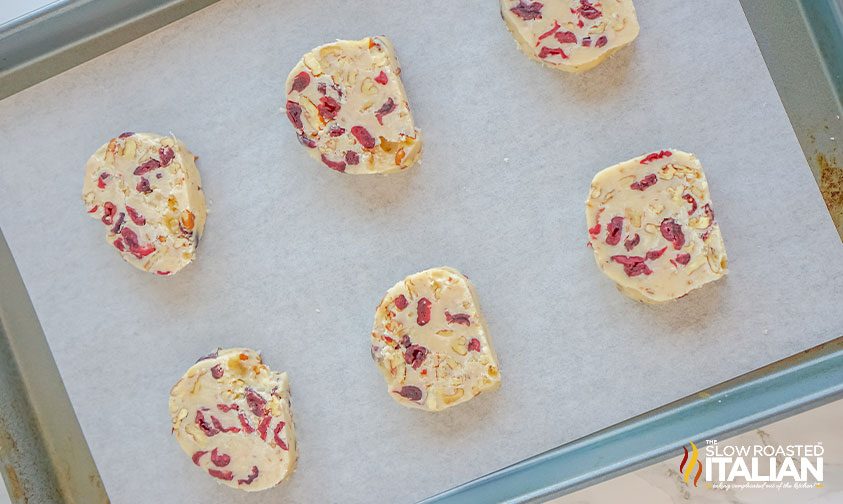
(232, 417)
(431, 343)
(145, 189)
(652, 228)
(570, 35)
(348, 105)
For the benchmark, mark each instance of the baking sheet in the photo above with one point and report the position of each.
(295, 257)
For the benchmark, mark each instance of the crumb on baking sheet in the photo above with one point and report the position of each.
(831, 187)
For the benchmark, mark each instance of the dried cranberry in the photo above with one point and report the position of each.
(212, 355)
(166, 155)
(135, 247)
(708, 212)
(217, 372)
(644, 183)
(322, 88)
(423, 310)
(306, 140)
(121, 217)
(528, 11)
(143, 186)
(588, 11)
(683, 259)
(382, 78)
(474, 345)
(415, 355)
(328, 107)
(405, 341)
(126, 134)
(101, 181)
(204, 426)
(410, 392)
(223, 475)
(352, 158)
(137, 218)
(197, 456)
(109, 209)
(690, 199)
(632, 265)
(219, 460)
(118, 243)
(336, 130)
(275, 435)
(263, 425)
(652, 255)
(294, 114)
(630, 243)
(401, 302)
(549, 32)
(601, 41)
(672, 232)
(614, 229)
(247, 427)
(250, 478)
(566, 37)
(363, 136)
(301, 81)
(152, 164)
(586, 41)
(257, 404)
(385, 109)
(547, 51)
(594, 230)
(458, 318)
(219, 427)
(225, 408)
(334, 165)
(656, 155)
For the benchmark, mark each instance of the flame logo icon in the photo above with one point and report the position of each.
(686, 467)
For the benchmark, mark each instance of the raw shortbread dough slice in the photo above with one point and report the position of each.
(571, 35)
(652, 227)
(232, 416)
(146, 190)
(348, 105)
(431, 343)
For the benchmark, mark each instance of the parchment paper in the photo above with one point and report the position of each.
(296, 257)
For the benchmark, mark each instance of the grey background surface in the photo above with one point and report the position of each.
(296, 257)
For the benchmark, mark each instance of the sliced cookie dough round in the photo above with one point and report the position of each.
(231, 415)
(431, 343)
(348, 105)
(652, 228)
(570, 35)
(146, 191)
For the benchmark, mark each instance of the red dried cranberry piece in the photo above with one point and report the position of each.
(708, 212)
(152, 164)
(401, 302)
(656, 155)
(322, 87)
(257, 404)
(415, 355)
(306, 140)
(166, 155)
(328, 107)
(672, 232)
(334, 165)
(549, 32)
(118, 243)
(458, 318)
(109, 209)
(225, 408)
(423, 310)
(630, 243)
(294, 114)
(382, 78)
(405, 341)
(601, 41)
(528, 11)
(101, 181)
(691, 201)
(644, 183)
(352, 158)
(263, 426)
(223, 475)
(594, 230)
(219, 427)
(247, 427)
(632, 265)
(586, 41)
(614, 229)
(385, 109)
(197, 456)
(219, 460)
(212, 355)
(301, 81)
(135, 247)
(474, 345)
(137, 218)
(363, 136)
(275, 435)
(566, 37)
(336, 130)
(250, 478)
(547, 51)
(121, 217)
(588, 11)
(683, 259)
(143, 186)
(217, 372)
(652, 255)
(410, 392)
(126, 134)
(204, 426)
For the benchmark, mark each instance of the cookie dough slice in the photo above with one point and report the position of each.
(570, 35)
(652, 227)
(431, 343)
(231, 415)
(146, 191)
(348, 105)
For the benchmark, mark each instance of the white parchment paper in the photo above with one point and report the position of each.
(296, 257)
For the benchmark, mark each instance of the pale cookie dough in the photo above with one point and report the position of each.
(431, 343)
(348, 105)
(231, 415)
(570, 35)
(146, 190)
(652, 226)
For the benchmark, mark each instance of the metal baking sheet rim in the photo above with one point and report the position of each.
(68, 32)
